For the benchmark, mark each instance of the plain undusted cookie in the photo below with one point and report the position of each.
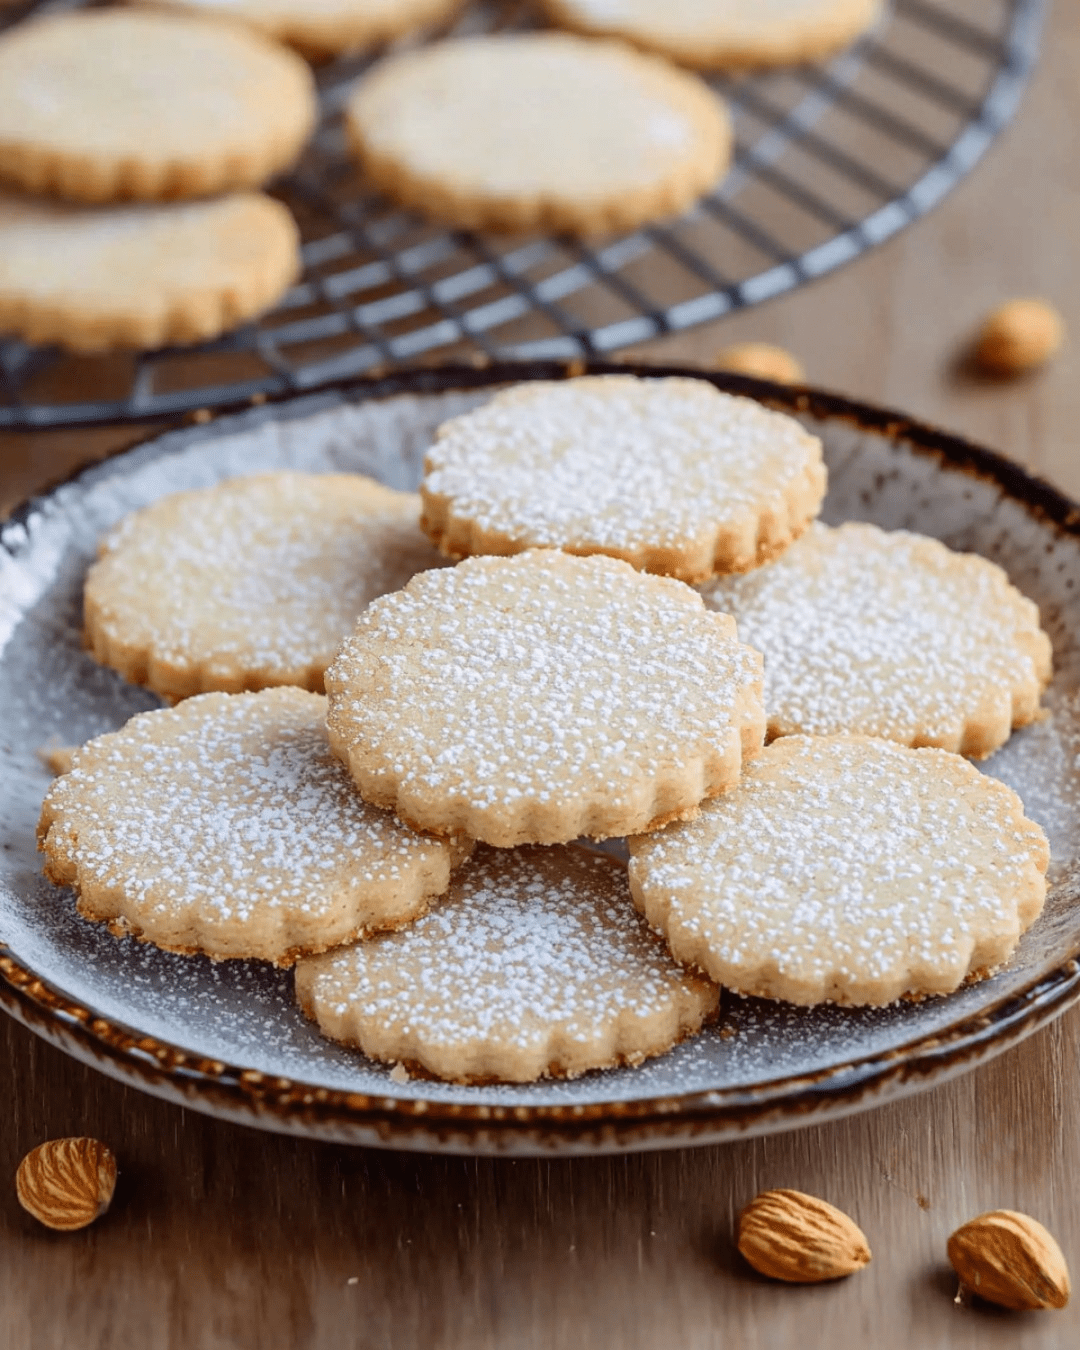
(322, 28)
(849, 870)
(534, 964)
(538, 698)
(725, 34)
(124, 105)
(250, 583)
(97, 278)
(893, 635)
(669, 474)
(539, 131)
(226, 826)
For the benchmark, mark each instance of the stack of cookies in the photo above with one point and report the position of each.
(134, 140)
(642, 597)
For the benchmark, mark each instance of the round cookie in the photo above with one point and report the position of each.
(542, 697)
(538, 131)
(226, 826)
(249, 583)
(724, 34)
(670, 475)
(325, 28)
(890, 634)
(98, 278)
(124, 105)
(847, 870)
(535, 964)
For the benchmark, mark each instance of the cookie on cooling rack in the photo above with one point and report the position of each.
(724, 34)
(538, 131)
(325, 28)
(226, 826)
(890, 634)
(846, 869)
(98, 278)
(668, 474)
(250, 583)
(542, 697)
(535, 964)
(126, 105)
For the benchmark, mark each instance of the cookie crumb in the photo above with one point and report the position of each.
(399, 1074)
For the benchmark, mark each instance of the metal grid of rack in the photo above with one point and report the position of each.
(830, 161)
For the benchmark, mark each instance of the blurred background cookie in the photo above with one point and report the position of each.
(538, 131)
(131, 105)
(323, 28)
(94, 278)
(724, 34)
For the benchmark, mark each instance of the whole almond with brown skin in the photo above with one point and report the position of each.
(1010, 1259)
(799, 1238)
(67, 1183)
(1018, 336)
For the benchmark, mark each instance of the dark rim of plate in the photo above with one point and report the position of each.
(799, 1099)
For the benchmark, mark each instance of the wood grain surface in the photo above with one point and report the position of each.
(221, 1237)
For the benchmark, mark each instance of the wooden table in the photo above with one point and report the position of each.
(222, 1237)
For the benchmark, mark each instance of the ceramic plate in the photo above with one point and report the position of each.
(228, 1039)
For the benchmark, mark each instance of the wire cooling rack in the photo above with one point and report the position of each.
(830, 161)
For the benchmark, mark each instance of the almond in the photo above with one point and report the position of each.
(1019, 336)
(66, 1183)
(762, 360)
(1010, 1259)
(795, 1237)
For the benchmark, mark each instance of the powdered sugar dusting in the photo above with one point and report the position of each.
(886, 634)
(846, 869)
(230, 818)
(618, 463)
(531, 951)
(256, 577)
(539, 680)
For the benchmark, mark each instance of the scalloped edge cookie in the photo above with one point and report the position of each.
(839, 615)
(587, 985)
(551, 209)
(849, 870)
(526, 470)
(278, 113)
(784, 41)
(509, 700)
(168, 604)
(229, 865)
(321, 31)
(129, 293)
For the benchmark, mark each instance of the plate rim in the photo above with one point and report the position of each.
(786, 1102)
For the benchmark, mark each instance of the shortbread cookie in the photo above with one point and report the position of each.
(250, 583)
(96, 278)
(534, 964)
(669, 474)
(725, 34)
(893, 635)
(538, 698)
(226, 826)
(847, 870)
(323, 28)
(538, 131)
(107, 105)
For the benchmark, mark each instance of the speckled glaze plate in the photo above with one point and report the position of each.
(228, 1039)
